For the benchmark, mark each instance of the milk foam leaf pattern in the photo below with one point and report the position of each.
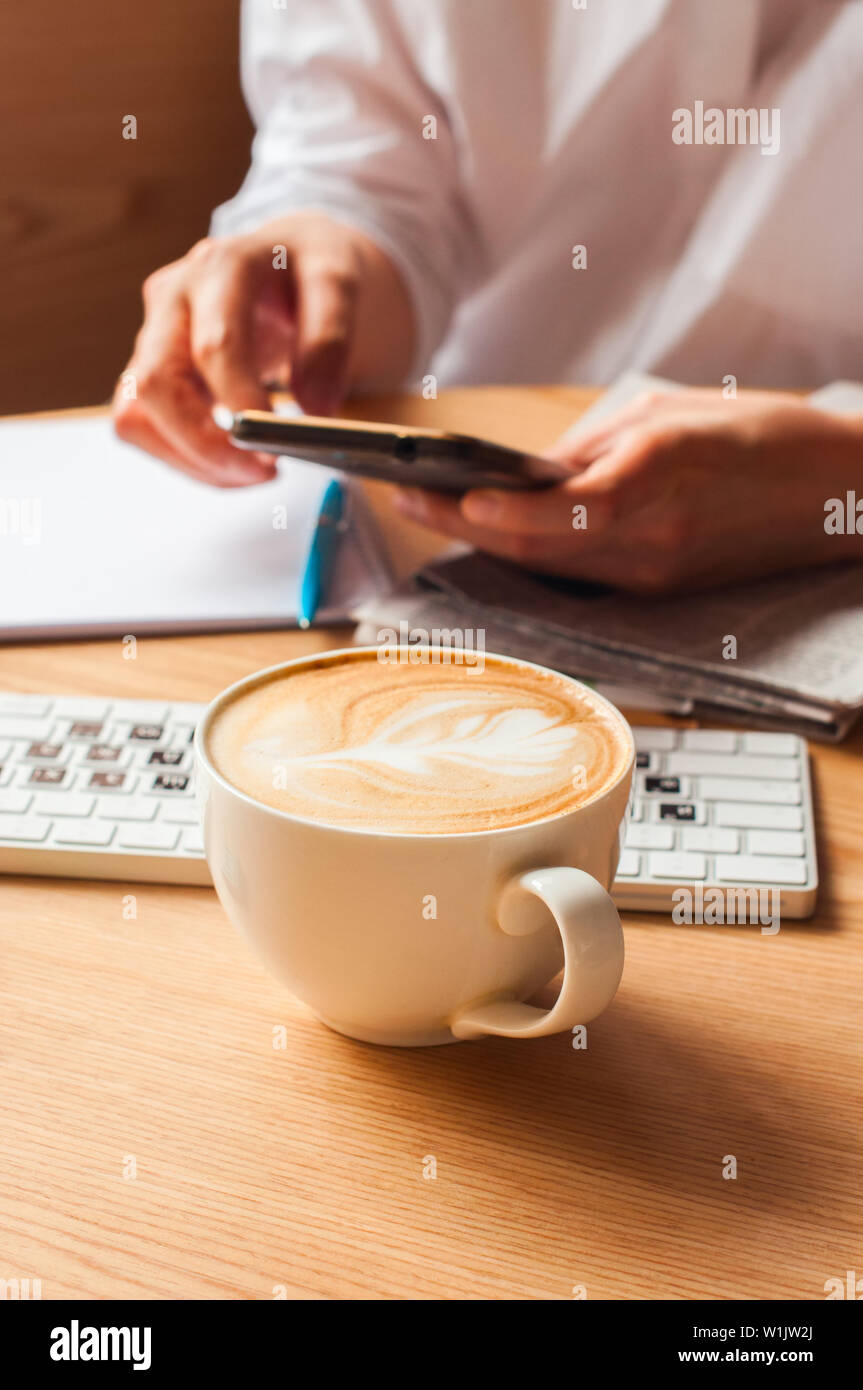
(509, 742)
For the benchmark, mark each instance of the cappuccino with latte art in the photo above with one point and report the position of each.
(437, 748)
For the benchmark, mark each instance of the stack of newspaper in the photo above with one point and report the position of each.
(782, 652)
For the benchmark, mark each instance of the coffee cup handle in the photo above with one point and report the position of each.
(592, 951)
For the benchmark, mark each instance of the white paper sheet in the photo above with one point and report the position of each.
(98, 538)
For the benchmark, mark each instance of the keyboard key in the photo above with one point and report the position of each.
(63, 804)
(109, 781)
(630, 863)
(787, 769)
(180, 735)
(760, 868)
(83, 728)
(33, 829)
(709, 839)
(103, 753)
(645, 761)
(89, 707)
(142, 712)
(193, 843)
(708, 741)
(746, 816)
(183, 812)
(174, 782)
(772, 745)
(740, 789)
(691, 867)
(165, 757)
(33, 705)
(649, 837)
(47, 752)
(776, 842)
(48, 776)
(31, 729)
(83, 832)
(672, 786)
(14, 803)
(655, 740)
(155, 836)
(127, 807)
(146, 733)
(679, 811)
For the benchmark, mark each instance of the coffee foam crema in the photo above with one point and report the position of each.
(423, 749)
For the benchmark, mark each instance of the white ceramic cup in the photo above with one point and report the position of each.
(412, 940)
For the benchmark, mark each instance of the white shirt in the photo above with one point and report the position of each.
(554, 128)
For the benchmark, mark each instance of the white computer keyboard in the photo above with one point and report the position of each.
(719, 810)
(94, 788)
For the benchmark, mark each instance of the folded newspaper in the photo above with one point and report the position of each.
(780, 652)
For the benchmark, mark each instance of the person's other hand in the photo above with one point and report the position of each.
(236, 312)
(680, 490)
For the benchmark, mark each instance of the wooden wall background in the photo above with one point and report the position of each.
(85, 214)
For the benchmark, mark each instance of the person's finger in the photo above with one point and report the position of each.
(576, 506)
(442, 513)
(606, 562)
(167, 389)
(584, 442)
(224, 281)
(578, 446)
(580, 512)
(587, 503)
(180, 412)
(326, 289)
(135, 427)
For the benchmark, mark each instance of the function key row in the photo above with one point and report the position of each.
(664, 740)
(653, 764)
(15, 705)
(116, 783)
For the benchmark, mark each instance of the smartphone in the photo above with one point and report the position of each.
(402, 454)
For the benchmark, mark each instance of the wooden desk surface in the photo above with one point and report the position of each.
(152, 1039)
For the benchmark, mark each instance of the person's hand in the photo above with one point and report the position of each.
(299, 301)
(680, 490)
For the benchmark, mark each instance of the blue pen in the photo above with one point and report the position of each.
(322, 551)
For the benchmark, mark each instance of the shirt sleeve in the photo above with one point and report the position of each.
(343, 121)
